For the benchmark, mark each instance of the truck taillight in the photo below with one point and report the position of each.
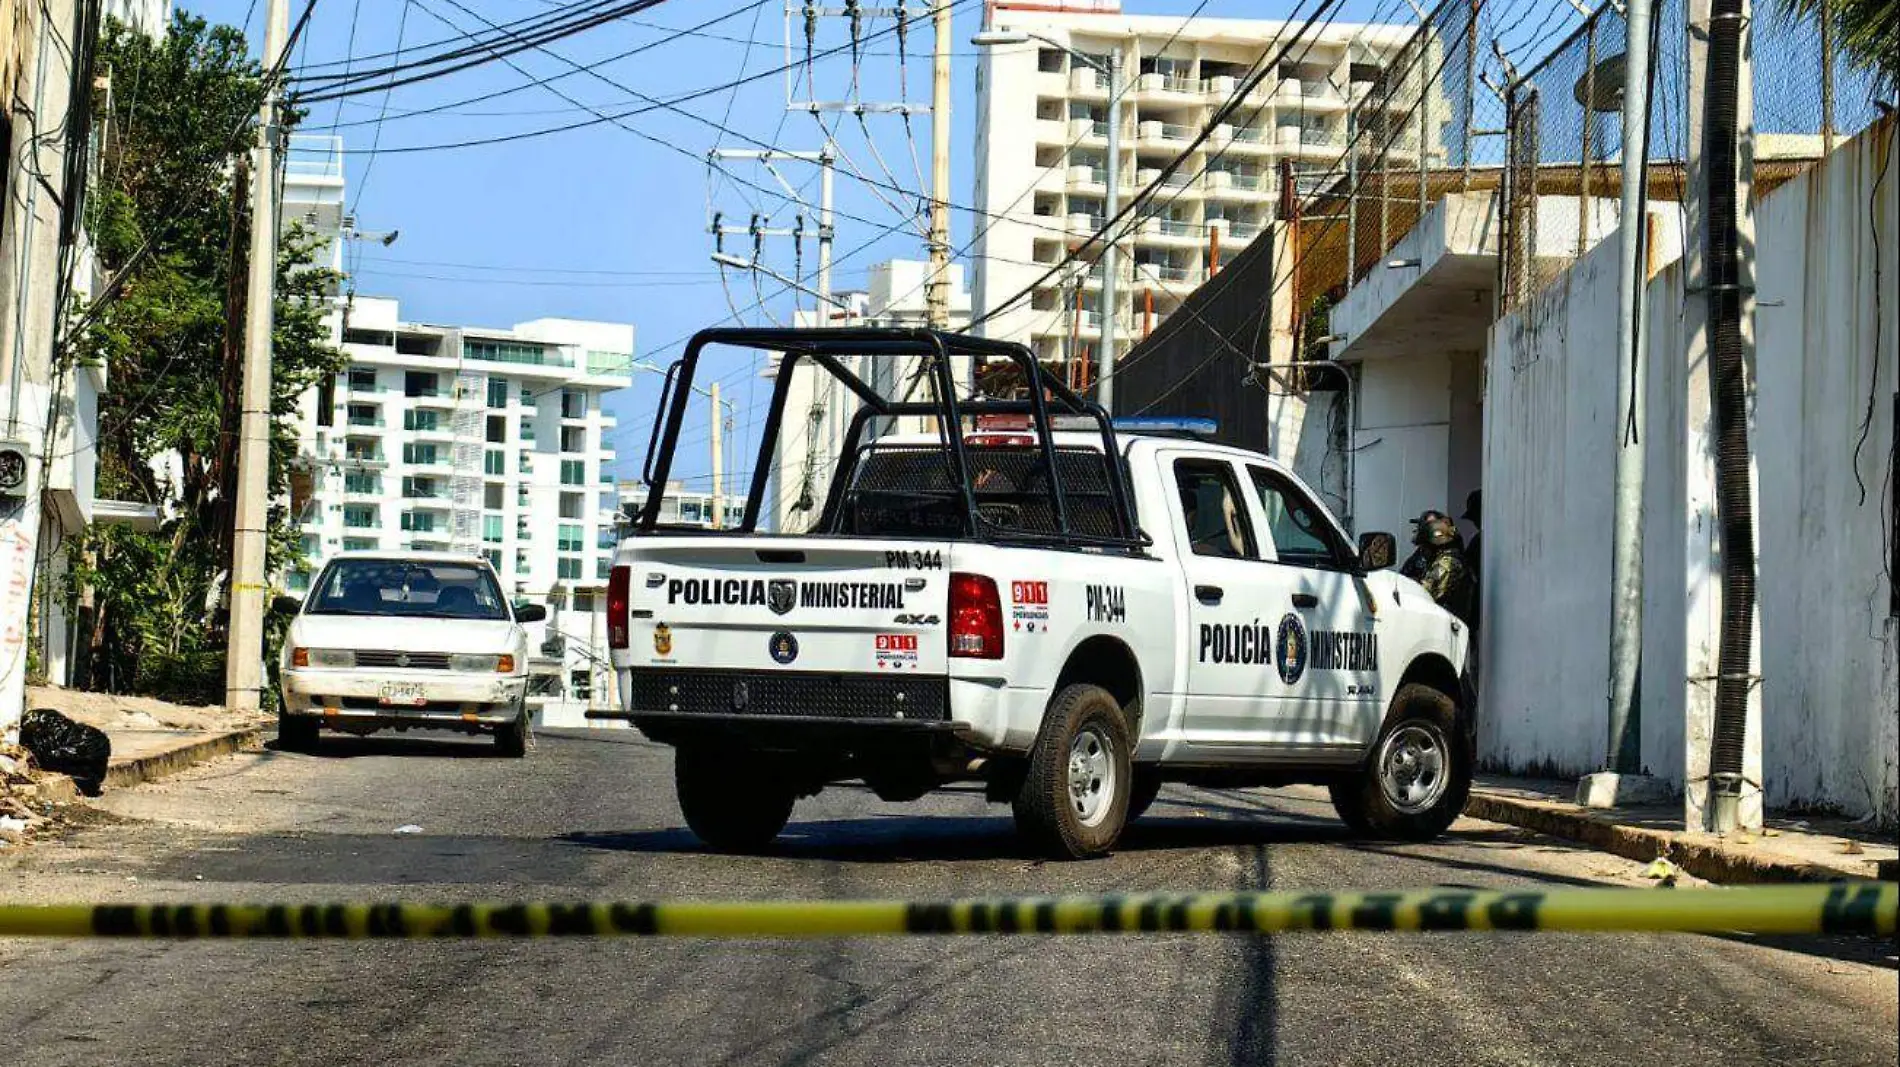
(976, 617)
(619, 606)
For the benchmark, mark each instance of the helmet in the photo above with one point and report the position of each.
(1434, 528)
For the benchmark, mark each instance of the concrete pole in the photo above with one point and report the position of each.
(244, 658)
(718, 454)
(1110, 254)
(937, 290)
(824, 233)
(1623, 753)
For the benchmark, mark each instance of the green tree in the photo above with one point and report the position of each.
(1867, 30)
(170, 216)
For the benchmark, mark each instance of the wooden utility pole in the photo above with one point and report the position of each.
(244, 657)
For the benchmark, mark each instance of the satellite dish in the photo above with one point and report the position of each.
(1608, 95)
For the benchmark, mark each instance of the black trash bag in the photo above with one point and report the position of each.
(71, 748)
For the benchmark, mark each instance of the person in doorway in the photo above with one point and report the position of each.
(1474, 514)
(1438, 563)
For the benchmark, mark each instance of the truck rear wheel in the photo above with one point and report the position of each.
(732, 802)
(1074, 798)
(1419, 775)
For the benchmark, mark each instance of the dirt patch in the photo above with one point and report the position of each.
(111, 711)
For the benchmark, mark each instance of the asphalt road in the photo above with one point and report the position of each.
(592, 816)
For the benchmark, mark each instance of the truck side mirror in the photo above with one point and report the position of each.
(286, 605)
(1377, 550)
(530, 613)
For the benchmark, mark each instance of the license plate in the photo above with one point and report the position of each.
(408, 695)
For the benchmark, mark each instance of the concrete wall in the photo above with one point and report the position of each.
(1827, 346)
(1830, 644)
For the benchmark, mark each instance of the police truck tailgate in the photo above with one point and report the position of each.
(706, 612)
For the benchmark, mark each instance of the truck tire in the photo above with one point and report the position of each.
(1141, 796)
(732, 802)
(1074, 798)
(296, 733)
(1418, 776)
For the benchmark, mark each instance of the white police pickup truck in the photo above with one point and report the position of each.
(1005, 606)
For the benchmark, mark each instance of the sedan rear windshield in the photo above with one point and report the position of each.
(408, 588)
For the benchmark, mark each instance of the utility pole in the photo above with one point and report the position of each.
(244, 656)
(1622, 755)
(718, 468)
(937, 290)
(1110, 256)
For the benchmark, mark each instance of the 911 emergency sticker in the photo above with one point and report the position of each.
(1029, 606)
(897, 651)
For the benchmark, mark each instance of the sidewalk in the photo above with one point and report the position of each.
(1790, 848)
(151, 738)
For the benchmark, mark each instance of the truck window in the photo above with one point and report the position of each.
(1212, 507)
(1299, 533)
(899, 491)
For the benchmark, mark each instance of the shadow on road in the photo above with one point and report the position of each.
(448, 746)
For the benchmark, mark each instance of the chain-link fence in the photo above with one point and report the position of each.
(1562, 172)
(1417, 128)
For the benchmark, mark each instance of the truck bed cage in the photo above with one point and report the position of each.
(823, 347)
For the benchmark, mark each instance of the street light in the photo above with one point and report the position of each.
(1105, 387)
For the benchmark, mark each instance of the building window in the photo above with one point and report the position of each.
(359, 544)
(419, 488)
(419, 383)
(527, 428)
(514, 352)
(418, 453)
(573, 404)
(603, 568)
(573, 438)
(362, 482)
(365, 415)
(495, 461)
(570, 505)
(527, 395)
(418, 521)
(573, 472)
(524, 462)
(521, 563)
(421, 420)
(571, 538)
(583, 601)
(362, 379)
(297, 581)
(491, 529)
(493, 556)
(568, 569)
(310, 545)
(492, 493)
(497, 392)
(497, 429)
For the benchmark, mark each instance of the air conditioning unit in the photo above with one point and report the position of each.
(18, 471)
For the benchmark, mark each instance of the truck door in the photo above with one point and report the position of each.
(1326, 628)
(1232, 689)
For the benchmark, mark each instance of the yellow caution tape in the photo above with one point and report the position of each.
(1839, 908)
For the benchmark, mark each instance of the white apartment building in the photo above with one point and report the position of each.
(468, 439)
(680, 505)
(1042, 154)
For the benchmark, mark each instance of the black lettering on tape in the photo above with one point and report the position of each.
(1514, 911)
(277, 921)
(928, 918)
(633, 919)
(1445, 911)
(1851, 910)
(1045, 917)
(1318, 908)
(462, 920)
(570, 920)
(115, 920)
(512, 919)
(1376, 911)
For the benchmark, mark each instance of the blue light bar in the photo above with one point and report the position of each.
(1167, 424)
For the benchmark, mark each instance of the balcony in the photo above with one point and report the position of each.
(1180, 182)
(1086, 181)
(1240, 140)
(1176, 232)
(1167, 87)
(1052, 131)
(1086, 82)
(1232, 185)
(1219, 88)
(1170, 275)
(1165, 133)
(1082, 224)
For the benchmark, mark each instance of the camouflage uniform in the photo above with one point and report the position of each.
(1439, 565)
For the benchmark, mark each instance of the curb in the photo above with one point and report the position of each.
(1700, 855)
(172, 760)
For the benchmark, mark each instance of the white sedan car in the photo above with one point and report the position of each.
(406, 639)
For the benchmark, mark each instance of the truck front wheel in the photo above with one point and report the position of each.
(1419, 775)
(1074, 798)
(734, 802)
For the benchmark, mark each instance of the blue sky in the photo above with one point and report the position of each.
(607, 222)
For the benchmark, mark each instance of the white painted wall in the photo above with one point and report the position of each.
(1829, 648)
(1402, 442)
